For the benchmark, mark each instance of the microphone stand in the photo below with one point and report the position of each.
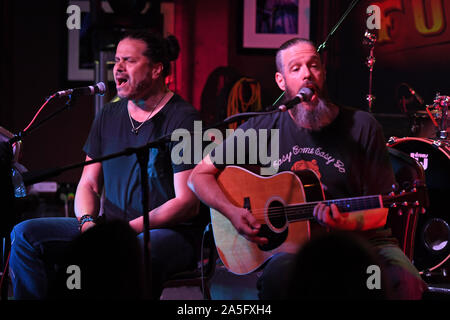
(338, 24)
(370, 39)
(8, 220)
(245, 115)
(22, 134)
(142, 156)
(240, 116)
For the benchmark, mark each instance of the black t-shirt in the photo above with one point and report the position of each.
(349, 156)
(111, 133)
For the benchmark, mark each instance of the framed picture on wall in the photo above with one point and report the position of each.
(268, 23)
(81, 64)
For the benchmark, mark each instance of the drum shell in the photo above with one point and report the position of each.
(435, 160)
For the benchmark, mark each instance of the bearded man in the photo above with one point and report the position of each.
(345, 148)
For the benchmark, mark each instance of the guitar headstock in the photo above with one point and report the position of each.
(414, 196)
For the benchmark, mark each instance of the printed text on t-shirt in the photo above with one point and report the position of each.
(318, 152)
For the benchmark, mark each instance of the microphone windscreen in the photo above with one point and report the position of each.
(307, 93)
(101, 88)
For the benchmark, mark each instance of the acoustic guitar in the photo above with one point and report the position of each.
(283, 204)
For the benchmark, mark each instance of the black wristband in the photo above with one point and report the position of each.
(84, 219)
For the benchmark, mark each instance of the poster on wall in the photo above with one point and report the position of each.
(269, 23)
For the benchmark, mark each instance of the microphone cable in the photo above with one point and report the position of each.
(38, 112)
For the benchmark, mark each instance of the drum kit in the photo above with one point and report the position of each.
(430, 146)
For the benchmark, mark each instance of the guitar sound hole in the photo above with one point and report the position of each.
(277, 216)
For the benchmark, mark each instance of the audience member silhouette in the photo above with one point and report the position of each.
(338, 265)
(110, 265)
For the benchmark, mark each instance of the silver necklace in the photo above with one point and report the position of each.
(134, 129)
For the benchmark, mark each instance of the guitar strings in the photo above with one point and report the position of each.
(356, 203)
(306, 208)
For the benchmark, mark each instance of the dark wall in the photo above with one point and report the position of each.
(36, 61)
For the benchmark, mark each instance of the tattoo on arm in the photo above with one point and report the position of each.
(359, 222)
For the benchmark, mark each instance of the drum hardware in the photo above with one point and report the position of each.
(437, 143)
(392, 140)
(441, 143)
(370, 39)
(438, 111)
(407, 96)
(439, 271)
(433, 121)
(421, 125)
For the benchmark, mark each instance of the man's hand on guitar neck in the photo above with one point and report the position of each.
(330, 216)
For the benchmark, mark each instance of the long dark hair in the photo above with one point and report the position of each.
(159, 49)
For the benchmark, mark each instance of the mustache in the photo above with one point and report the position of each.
(312, 85)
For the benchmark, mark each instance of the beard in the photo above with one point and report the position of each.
(137, 89)
(319, 117)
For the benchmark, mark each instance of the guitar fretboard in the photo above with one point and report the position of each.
(304, 211)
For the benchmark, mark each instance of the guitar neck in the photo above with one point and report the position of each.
(304, 211)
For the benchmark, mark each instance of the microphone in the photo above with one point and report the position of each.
(99, 88)
(305, 94)
(414, 93)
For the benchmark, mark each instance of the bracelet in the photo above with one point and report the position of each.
(84, 219)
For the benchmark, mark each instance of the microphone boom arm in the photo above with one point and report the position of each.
(22, 134)
(338, 24)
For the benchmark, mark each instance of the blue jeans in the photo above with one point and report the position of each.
(37, 244)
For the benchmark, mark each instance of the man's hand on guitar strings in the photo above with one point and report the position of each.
(246, 224)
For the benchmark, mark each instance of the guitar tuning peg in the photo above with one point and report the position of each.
(394, 205)
(405, 204)
(395, 187)
(400, 212)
